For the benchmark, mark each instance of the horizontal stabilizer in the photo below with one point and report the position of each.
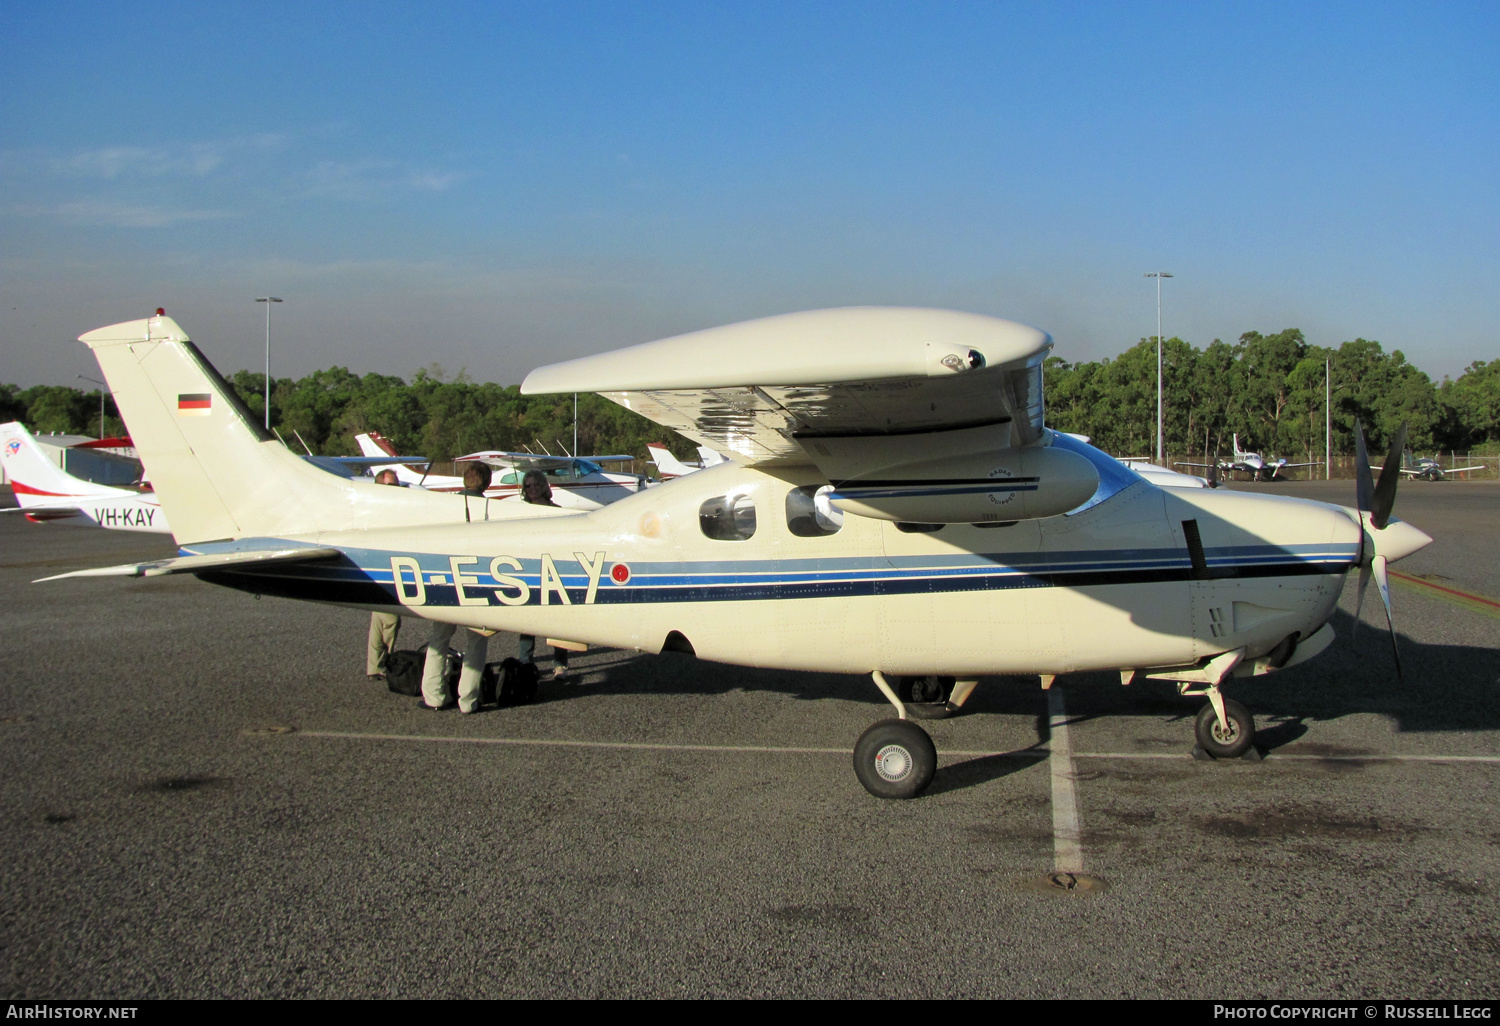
(197, 564)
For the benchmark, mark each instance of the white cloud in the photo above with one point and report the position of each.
(364, 180)
(189, 160)
(120, 215)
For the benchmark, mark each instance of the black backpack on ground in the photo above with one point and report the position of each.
(511, 682)
(403, 671)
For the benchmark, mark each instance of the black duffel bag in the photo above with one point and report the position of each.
(403, 671)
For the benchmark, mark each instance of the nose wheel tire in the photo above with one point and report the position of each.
(1225, 741)
(895, 759)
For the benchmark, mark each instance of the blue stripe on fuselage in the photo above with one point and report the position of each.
(364, 573)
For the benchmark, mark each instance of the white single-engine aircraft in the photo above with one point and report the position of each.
(578, 482)
(895, 507)
(46, 492)
(1424, 468)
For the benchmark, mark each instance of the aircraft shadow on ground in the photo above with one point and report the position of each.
(1446, 688)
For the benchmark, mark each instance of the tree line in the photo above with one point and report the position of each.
(1268, 389)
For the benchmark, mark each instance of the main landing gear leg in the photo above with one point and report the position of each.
(894, 758)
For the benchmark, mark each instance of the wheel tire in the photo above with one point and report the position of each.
(1218, 742)
(895, 759)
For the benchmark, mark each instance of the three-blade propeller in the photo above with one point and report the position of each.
(1375, 499)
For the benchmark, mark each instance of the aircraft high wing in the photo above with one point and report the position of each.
(44, 491)
(896, 507)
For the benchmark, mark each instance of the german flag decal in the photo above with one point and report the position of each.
(194, 404)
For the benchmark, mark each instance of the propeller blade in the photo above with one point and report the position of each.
(1364, 479)
(1359, 602)
(1364, 491)
(1385, 488)
(1383, 583)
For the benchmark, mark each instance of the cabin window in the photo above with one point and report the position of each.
(728, 517)
(908, 528)
(511, 478)
(810, 513)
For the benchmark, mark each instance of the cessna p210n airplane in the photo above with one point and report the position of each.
(894, 506)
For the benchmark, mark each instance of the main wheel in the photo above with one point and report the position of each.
(1225, 741)
(895, 759)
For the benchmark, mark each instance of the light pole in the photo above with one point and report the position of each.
(1328, 418)
(268, 300)
(1158, 275)
(102, 387)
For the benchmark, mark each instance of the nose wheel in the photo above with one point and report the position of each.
(895, 759)
(1228, 737)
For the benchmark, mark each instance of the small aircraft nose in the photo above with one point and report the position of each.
(1399, 540)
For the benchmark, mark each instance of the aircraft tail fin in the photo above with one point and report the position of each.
(375, 444)
(217, 472)
(36, 480)
(669, 465)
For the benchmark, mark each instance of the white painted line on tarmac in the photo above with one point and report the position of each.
(1298, 757)
(1067, 834)
(557, 743)
(1024, 753)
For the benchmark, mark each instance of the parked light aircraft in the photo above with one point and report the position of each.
(896, 507)
(1260, 468)
(44, 491)
(1425, 469)
(578, 482)
(669, 466)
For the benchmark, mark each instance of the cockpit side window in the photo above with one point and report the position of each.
(728, 517)
(810, 513)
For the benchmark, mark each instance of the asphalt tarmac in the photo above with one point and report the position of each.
(204, 797)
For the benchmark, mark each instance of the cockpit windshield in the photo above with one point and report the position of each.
(1114, 476)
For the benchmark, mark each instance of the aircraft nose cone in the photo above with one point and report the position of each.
(1399, 540)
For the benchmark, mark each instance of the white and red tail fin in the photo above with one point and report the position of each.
(375, 444)
(217, 472)
(38, 481)
(668, 465)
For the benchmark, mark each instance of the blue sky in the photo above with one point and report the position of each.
(494, 186)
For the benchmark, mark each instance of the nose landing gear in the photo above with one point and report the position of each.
(1227, 732)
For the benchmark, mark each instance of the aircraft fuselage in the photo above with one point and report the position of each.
(730, 564)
